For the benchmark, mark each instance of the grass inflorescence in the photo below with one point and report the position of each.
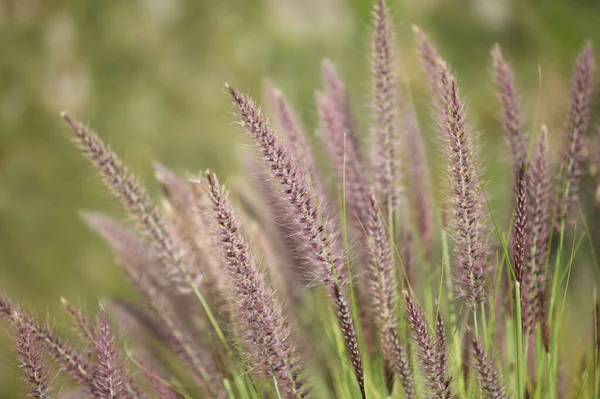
(355, 285)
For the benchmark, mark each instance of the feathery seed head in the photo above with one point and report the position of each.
(540, 193)
(520, 226)
(385, 103)
(259, 315)
(30, 357)
(293, 132)
(136, 202)
(431, 355)
(574, 142)
(469, 230)
(320, 235)
(381, 280)
(345, 159)
(488, 375)
(108, 374)
(512, 120)
(336, 92)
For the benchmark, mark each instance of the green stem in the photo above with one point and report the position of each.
(211, 317)
(552, 314)
(521, 369)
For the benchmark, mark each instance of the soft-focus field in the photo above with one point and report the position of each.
(149, 76)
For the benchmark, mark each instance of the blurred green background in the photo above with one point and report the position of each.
(148, 75)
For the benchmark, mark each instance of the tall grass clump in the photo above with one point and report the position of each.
(355, 285)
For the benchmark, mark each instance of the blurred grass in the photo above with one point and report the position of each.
(148, 75)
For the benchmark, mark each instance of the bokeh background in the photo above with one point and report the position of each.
(148, 75)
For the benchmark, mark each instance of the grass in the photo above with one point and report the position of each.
(338, 312)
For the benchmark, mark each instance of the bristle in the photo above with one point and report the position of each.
(178, 216)
(351, 176)
(260, 317)
(510, 109)
(273, 262)
(320, 236)
(574, 142)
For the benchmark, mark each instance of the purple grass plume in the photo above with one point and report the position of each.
(83, 325)
(30, 358)
(136, 202)
(519, 234)
(319, 233)
(510, 109)
(385, 107)
(574, 150)
(336, 92)
(520, 240)
(468, 202)
(345, 159)
(382, 285)
(385, 134)
(70, 359)
(294, 133)
(429, 351)
(540, 193)
(469, 229)
(260, 317)
(430, 63)
(108, 374)
(141, 267)
(488, 376)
